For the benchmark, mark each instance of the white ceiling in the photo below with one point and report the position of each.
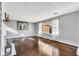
(38, 11)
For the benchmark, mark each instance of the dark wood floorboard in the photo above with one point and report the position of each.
(31, 47)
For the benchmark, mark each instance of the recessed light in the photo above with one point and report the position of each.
(55, 13)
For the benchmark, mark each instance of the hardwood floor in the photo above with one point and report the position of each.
(38, 46)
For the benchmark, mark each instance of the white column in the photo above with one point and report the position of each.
(40, 28)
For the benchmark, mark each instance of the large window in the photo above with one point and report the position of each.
(55, 27)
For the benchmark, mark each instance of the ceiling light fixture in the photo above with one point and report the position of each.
(55, 13)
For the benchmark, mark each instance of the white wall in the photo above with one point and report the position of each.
(36, 29)
(29, 32)
(69, 27)
(0, 26)
(78, 19)
(78, 26)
